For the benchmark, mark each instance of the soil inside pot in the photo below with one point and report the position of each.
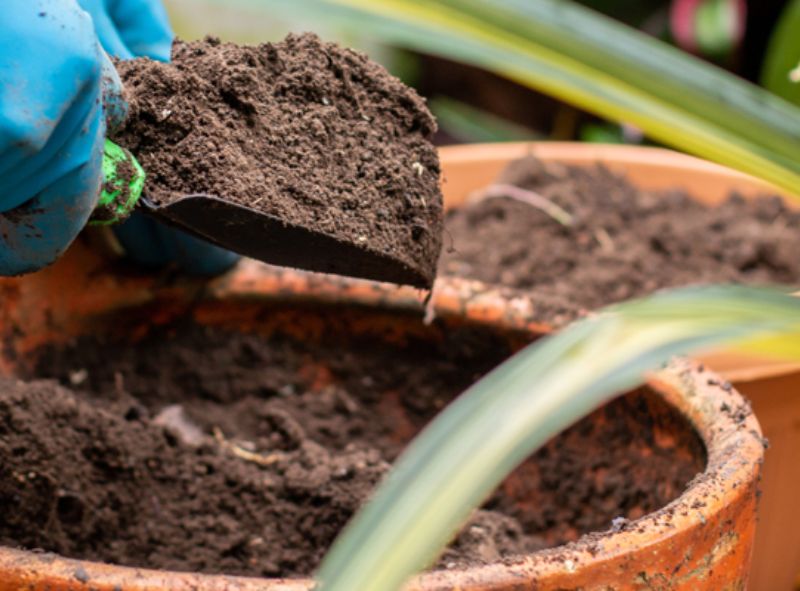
(306, 131)
(622, 242)
(207, 450)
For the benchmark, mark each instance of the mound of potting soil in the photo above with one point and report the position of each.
(204, 450)
(622, 242)
(306, 131)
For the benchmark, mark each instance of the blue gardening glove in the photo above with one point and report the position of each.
(52, 127)
(132, 28)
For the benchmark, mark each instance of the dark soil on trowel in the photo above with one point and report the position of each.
(309, 132)
(622, 242)
(205, 450)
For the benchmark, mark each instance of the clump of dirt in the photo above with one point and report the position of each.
(306, 131)
(620, 242)
(213, 451)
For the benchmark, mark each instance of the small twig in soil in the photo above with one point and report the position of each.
(243, 454)
(605, 241)
(430, 308)
(531, 198)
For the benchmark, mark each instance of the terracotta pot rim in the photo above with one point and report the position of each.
(734, 450)
(587, 153)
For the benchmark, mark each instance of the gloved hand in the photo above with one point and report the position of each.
(52, 127)
(132, 28)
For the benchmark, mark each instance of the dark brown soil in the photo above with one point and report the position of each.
(306, 131)
(199, 449)
(622, 242)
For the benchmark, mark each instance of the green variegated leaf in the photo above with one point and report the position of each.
(462, 456)
(781, 72)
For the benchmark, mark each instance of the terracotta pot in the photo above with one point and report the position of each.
(701, 541)
(468, 168)
(771, 385)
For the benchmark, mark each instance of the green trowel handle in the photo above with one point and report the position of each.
(123, 181)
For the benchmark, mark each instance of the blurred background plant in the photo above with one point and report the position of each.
(756, 39)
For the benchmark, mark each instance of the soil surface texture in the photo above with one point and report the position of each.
(621, 243)
(206, 450)
(306, 131)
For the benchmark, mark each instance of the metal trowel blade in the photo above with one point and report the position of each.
(277, 242)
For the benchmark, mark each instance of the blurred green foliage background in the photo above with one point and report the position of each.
(756, 39)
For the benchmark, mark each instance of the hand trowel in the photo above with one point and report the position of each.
(244, 230)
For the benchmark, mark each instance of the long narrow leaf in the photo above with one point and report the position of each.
(781, 73)
(597, 64)
(453, 465)
(474, 125)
